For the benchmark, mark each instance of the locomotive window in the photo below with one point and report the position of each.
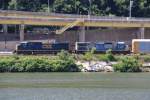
(24, 44)
(83, 44)
(120, 46)
(30, 44)
(108, 46)
(46, 46)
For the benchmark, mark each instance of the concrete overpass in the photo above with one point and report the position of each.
(35, 18)
(66, 20)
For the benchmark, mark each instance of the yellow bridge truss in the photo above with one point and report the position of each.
(69, 25)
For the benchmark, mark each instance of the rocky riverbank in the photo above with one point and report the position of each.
(102, 66)
(66, 62)
(96, 66)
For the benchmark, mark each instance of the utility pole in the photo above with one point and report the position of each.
(130, 8)
(48, 6)
(89, 12)
(16, 4)
(3, 6)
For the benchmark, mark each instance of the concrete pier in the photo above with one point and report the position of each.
(22, 26)
(82, 34)
(142, 33)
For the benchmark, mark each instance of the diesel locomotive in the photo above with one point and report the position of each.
(80, 47)
(41, 48)
(102, 47)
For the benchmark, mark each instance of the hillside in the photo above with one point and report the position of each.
(140, 8)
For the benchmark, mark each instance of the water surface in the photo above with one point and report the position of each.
(75, 86)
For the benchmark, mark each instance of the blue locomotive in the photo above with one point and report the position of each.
(80, 47)
(40, 48)
(102, 47)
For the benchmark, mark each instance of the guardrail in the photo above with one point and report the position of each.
(86, 17)
(132, 20)
(40, 13)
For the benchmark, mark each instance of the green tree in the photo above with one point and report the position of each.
(25, 5)
(140, 8)
(4, 4)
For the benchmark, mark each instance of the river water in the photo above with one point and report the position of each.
(75, 86)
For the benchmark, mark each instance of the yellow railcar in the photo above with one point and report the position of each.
(141, 46)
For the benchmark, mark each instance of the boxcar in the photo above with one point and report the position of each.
(141, 45)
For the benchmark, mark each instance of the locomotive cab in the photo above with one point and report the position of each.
(122, 47)
(81, 47)
(108, 45)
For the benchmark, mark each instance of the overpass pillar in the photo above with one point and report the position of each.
(5, 31)
(82, 34)
(5, 28)
(22, 32)
(142, 33)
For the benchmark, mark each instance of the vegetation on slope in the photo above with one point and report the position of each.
(140, 8)
(128, 64)
(64, 62)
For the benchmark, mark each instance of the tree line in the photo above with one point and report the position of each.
(140, 8)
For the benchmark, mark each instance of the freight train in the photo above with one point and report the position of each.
(80, 47)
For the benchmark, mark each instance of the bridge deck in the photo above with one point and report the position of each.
(33, 18)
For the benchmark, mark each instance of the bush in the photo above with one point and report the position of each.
(64, 66)
(65, 56)
(88, 56)
(102, 57)
(146, 58)
(37, 65)
(110, 56)
(64, 62)
(6, 64)
(107, 57)
(128, 64)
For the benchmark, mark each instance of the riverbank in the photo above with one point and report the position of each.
(65, 62)
(102, 66)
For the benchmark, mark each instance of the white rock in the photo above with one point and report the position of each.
(109, 69)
